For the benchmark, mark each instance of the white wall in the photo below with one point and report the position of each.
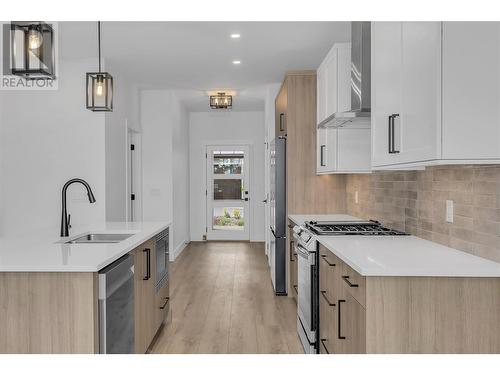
(209, 127)
(156, 155)
(180, 159)
(48, 137)
(124, 116)
(165, 163)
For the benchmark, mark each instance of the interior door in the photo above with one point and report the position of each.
(228, 195)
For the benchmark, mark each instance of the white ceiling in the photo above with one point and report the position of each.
(197, 56)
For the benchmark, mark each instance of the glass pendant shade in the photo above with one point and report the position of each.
(32, 50)
(100, 92)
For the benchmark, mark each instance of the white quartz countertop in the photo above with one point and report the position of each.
(400, 255)
(45, 253)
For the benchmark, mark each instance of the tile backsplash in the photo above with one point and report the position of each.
(415, 202)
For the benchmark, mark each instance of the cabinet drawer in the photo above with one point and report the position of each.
(330, 268)
(328, 258)
(354, 283)
(162, 304)
(327, 324)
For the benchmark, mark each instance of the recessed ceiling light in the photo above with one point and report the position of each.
(235, 36)
(236, 62)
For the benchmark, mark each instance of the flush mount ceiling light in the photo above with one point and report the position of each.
(99, 85)
(32, 49)
(235, 36)
(236, 62)
(221, 101)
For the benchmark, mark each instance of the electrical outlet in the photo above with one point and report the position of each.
(356, 197)
(449, 211)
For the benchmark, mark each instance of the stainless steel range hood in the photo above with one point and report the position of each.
(360, 78)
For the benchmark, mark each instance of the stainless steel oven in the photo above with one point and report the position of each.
(162, 258)
(308, 284)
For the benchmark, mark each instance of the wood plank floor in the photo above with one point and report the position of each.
(223, 302)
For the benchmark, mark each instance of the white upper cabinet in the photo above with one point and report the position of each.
(471, 91)
(326, 156)
(333, 91)
(346, 149)
(405, 92)
(431, 102)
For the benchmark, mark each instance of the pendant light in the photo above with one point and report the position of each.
(221, 101)
(32, 50)
(99, 85)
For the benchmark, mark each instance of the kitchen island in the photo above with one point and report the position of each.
(49, 289)
(404, 294)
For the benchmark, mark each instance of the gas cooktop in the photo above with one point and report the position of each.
(352, 228)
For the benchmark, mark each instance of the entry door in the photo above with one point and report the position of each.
(228, 209)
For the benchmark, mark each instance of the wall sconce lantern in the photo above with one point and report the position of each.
(221, 101)
(99, 85)
(32, 50)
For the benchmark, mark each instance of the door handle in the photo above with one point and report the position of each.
(324, 345)
(165, 304)
(326, 260)
(322, 155)
(323, 293)
(272, 231)
(282, 122)
(148, 264)
(340, 337)
(246, 199)
(264, 201)
(346, 279)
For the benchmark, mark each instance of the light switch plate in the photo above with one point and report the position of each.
(449, 211)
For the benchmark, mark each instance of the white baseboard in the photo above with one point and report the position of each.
(178, 250)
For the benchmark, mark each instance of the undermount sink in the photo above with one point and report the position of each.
(101, 238)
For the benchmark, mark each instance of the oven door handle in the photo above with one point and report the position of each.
(301, 250)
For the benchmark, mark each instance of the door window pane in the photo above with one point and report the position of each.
(228, 162)
(228, 218)
(228, 189)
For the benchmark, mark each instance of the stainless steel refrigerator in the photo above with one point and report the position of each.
(277, 250)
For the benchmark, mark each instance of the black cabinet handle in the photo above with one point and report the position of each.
(296, 289)
(389, 134)
(326, 260)
(165, 304)
(322, 155)
(340, 337)
(148, 264)
(346, 279)
(282, 122)
(324, 345)
(323, 293)
(392, 147)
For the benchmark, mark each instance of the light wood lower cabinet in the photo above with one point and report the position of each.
(146, 316)
(351, 328)
(49, 312)
(405, 314)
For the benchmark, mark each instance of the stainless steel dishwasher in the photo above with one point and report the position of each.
(116, 307)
